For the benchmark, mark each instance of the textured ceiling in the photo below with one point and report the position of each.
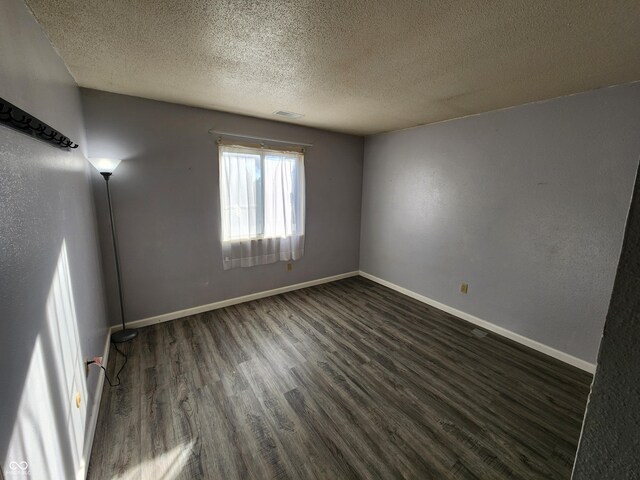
(352, 66)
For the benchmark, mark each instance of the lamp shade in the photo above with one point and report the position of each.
(104, 165)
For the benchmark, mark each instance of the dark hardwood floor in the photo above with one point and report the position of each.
(343, 380)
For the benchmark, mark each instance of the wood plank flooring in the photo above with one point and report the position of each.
(343, 380)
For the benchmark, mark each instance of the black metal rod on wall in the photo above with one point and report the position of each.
(19, 120)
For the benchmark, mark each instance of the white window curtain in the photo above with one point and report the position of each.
(262, 205)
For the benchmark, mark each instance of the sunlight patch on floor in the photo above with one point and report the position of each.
(166, 466)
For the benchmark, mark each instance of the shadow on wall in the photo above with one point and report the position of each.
(48, 434)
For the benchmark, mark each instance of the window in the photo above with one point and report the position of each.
(261, 205)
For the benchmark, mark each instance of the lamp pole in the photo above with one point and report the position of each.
(125, 334)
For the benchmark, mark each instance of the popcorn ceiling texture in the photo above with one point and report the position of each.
(610, 443)
(359, 66)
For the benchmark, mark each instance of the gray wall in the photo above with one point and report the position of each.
(166, 207)
(610, 439)
(46, 202)
(527, 205)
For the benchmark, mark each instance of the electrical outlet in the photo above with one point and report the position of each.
(464, 288)
(88, 363)
(289, 266)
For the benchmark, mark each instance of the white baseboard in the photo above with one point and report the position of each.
(165, 317)
(93, 418)
(552, 352)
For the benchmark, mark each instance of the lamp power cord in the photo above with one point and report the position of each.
(98, 361)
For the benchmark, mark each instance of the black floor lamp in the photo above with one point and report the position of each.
(106, 166)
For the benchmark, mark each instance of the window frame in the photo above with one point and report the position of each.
(263, 152)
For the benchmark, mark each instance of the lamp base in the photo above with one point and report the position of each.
(125, 335)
